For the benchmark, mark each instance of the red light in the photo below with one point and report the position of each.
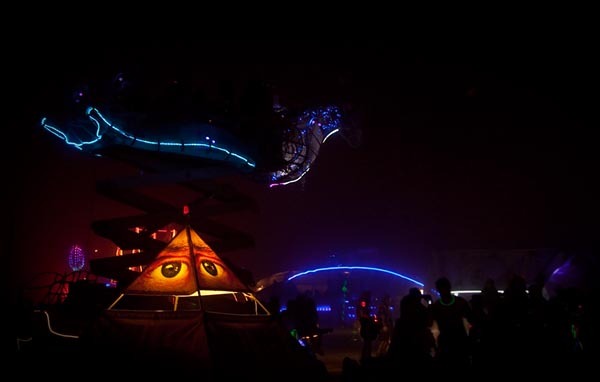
(186, 210)
(363, 304)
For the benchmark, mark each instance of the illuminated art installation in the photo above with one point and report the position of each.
(350, 268)
(188, 308)
(303, 141)
(188, 275)
(98, 131)
(76, 258)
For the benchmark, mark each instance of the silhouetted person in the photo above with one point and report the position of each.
(412, 342)
(368, 329)
(386, 322)
(452, 314)
(485, 333)
(514, 313)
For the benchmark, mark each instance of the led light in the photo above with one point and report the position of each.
(357, 268)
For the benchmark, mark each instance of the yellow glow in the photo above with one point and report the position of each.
(172, 273)
(158, 279)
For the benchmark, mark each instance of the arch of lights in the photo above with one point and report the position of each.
(350, 268)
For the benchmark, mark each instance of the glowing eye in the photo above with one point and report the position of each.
(171, 269)
(210, 267)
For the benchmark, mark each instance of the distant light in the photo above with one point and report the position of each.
(463, 291)
(357, 268)
(470, 291)
(76, 258)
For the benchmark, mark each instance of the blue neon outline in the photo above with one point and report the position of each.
(359, 268)
(60, 134)
(328, 120)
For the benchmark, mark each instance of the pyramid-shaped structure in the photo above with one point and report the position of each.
(185, 267)
(188, 308)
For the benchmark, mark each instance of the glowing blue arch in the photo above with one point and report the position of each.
(349, 268)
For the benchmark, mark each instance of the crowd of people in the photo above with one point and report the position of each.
(519, 329)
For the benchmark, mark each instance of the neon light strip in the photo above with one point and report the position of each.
(50, 327)
(97, 115)
(116, 301)
(57, 132)
(466, 291)
(195, 294)
(463, 291)
(178, 144)
(330, 134)
(289, 181)
(356, 268)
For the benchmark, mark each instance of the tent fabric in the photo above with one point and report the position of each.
(150, 337)
(176, 272)
(214, 346)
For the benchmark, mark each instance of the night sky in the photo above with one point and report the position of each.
(454, 147)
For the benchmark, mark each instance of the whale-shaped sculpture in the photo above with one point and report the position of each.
(100, 131)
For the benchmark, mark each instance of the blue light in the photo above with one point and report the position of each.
(60, 134)
(103, 125)
(301, 146)
(357, 268)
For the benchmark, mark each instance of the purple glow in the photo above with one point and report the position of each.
(76, 258)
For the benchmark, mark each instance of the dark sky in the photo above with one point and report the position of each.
(461, 147)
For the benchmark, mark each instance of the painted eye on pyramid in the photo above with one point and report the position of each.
(171, 269)
(210, 267)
